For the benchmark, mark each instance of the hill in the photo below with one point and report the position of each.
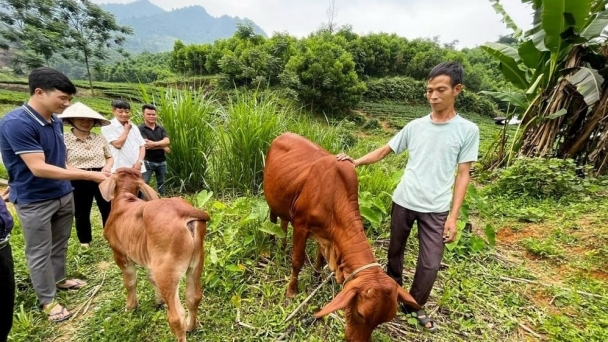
(155, 30)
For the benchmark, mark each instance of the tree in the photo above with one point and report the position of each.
(90, 32)
(31, 30)
(323, 75)
(557, 64)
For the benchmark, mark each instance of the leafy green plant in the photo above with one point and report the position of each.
(541, 178)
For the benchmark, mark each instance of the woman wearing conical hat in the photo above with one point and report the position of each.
(86, 151)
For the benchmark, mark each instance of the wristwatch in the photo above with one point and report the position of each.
(141, 161)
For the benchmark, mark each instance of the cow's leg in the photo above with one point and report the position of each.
(158, 298)
(129, 277)
(284, 229)
(168, 285)
(194, 293)
(297, 259)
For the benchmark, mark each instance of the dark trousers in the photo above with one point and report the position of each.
(160, 172)
(7, 291)
(430, 238)
(84, 192)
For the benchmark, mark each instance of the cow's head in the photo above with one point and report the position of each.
(368, 300)
(126, 180)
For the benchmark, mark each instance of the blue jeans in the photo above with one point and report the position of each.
(160, 171)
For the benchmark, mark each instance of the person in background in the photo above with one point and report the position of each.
(429, 194)
(90, 152)
(126, 144)
(34, 153)
(157, 144)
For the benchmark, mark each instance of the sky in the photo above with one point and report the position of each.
(471, 22)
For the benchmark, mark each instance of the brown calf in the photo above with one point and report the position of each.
(310, 188)
(165, 236)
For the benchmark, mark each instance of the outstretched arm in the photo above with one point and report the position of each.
(370, 158)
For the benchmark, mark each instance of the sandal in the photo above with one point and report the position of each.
(56, 317)
(76, 284)
(422, 317)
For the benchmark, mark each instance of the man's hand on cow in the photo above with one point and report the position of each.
(449, 230)
(344, 156)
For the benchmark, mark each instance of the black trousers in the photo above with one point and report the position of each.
(7, 291)
(84, 192)
(431, 246)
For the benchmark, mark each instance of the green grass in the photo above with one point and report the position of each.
(545, 280)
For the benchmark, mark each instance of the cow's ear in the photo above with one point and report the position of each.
(405, 297)
(107, 188)
(339, 302)
(147, 191)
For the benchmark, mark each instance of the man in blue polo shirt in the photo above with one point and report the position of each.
(34, 153)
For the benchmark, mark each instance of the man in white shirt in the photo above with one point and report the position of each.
(127, 146)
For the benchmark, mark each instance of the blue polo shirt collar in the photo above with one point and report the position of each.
(36, 116)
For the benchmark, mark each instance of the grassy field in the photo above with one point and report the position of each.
(545, 279)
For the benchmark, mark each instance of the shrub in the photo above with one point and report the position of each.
(540, 178)
(470, 102)
(401, 89)
(411, 91)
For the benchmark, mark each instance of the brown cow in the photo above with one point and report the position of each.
(165, 236)
(310, 188)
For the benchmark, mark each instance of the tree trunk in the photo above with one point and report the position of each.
(86, 62)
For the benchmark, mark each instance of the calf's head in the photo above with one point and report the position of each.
(126, 180)
(368, 300)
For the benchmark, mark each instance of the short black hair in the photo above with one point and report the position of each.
(49, 79)
(147, 106)
(453, 70)
(120, 104)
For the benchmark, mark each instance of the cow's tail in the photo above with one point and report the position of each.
(197, 226)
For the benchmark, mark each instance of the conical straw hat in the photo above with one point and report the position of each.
(82, 111)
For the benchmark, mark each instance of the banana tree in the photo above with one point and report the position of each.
(557, 66)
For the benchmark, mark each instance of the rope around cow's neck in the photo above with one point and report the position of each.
(373, 264)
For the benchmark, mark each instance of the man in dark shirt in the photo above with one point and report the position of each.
(157, 144)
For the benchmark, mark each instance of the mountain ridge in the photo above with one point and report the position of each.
(156, 30)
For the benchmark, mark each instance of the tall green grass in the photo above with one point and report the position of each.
(249, 123)
(222, 146)
(190, 123)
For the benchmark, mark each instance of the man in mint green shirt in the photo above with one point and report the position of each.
(440, 144)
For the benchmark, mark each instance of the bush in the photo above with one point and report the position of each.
(473, 103)
(401, 89)
(411, 91)
(540, 178)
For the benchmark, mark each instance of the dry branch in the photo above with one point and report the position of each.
(239, 322)
(88, 302)
(309, 297)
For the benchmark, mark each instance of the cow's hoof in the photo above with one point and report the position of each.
(131, 307)
(291, 294)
